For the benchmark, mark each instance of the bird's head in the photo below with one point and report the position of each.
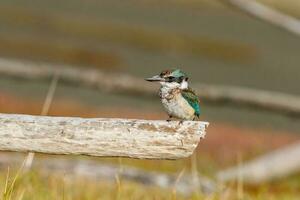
(171, 79)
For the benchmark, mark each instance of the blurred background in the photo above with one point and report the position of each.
(214, 42)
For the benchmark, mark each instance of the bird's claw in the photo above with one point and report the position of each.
(169, 119)
(180, 122)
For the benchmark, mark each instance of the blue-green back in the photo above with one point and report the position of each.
(192, 99)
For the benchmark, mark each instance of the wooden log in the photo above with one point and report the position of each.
(122, 83)
(144, 139)
(273, 165)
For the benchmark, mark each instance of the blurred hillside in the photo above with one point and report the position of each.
(213, 45)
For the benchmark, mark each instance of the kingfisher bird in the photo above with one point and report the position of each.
(178, 99)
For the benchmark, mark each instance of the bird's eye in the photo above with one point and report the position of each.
(171, 79)
(186, 79)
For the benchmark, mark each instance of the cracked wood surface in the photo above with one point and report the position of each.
(107, 137)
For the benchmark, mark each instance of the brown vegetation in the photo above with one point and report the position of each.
(140, 37)
(56, 51)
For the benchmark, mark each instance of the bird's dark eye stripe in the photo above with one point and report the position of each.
(175, 79)
(170, 79)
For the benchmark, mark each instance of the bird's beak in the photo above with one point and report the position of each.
(155, 78)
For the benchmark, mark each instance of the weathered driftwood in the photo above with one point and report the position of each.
(121, 83)
(152, 139)
(95, 170)
(277, 164)
(268, 14)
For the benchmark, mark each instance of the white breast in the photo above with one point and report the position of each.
(175, 105)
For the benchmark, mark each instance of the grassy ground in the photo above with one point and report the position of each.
(36, 185)
(33, 185)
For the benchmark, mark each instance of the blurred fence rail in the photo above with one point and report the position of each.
(277, 164)
(106, 137)
(122, 83)
(268, 14)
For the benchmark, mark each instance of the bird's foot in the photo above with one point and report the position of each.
(180, 122)
(169, 119)
(196, 117)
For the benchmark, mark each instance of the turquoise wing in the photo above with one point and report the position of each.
(190, 96)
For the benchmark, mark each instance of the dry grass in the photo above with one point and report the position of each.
(36, 185)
